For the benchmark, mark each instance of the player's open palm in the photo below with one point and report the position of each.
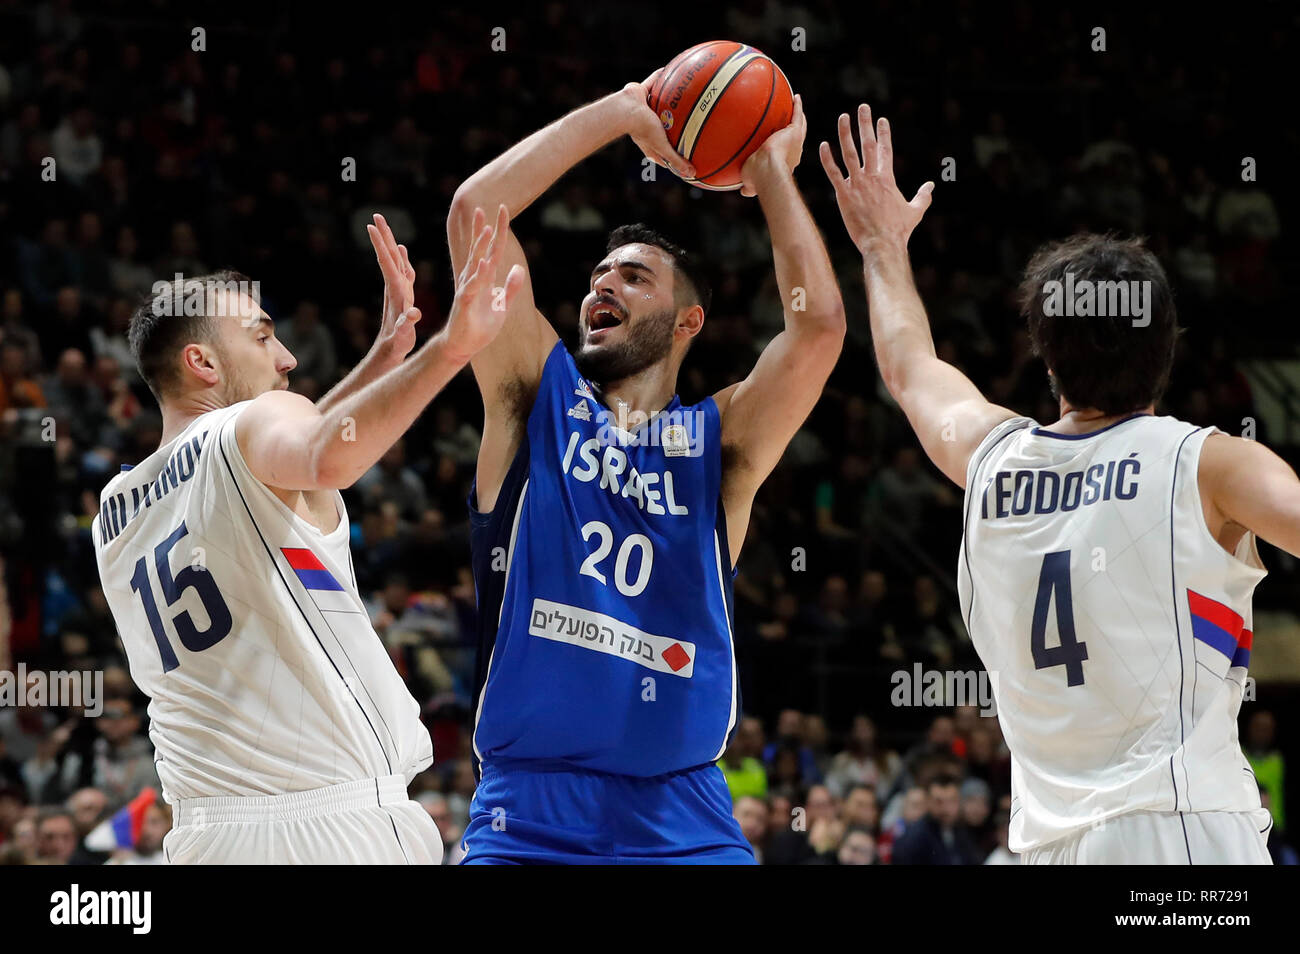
(397, 328)
(479, 309)
(870, 202)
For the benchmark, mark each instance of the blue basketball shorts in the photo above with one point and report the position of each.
(526, 812)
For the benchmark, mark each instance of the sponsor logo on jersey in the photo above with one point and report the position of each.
(580, 411)
(605, 634)
(675, 441)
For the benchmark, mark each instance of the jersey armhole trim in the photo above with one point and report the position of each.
(285, 511)
(1204, 528)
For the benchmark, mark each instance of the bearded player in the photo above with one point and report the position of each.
(283, 732)
(607, 518)
(1109, 557)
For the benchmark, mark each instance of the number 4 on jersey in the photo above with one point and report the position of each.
(1055, 579)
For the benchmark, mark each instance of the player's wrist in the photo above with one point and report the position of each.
(878, 247)
(451, 348)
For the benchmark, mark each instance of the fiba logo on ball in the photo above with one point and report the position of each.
(731, 97)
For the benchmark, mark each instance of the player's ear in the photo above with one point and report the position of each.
(690, 321)
(200, 360)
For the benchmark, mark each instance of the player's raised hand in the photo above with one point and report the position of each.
(872, 206)
(781, 151)
(397, 329)
(479, 310)
(647, 131)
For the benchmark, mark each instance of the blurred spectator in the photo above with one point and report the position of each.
(790, 740)
(56, 836)
(792, 844)
(751, 814)
(78, 151)
(391, 480)
(861, 762)
(857, 848)
(148, 848)
(88, 807)
(311, 343)
(1267, 763)
(939, 837)
(122, 761)
(744, 772)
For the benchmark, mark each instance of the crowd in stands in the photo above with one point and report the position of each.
(168, 159)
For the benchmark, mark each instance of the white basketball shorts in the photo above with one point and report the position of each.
(366, 822)
(1163, 838)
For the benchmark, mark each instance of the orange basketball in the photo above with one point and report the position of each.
(718, 102)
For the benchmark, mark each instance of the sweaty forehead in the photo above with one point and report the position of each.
(654, 259)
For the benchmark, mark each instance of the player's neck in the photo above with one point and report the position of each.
(179, 413)
(641, 396)
(1085, 420)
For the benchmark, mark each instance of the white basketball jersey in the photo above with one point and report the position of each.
(1115, 629)
(242, 623)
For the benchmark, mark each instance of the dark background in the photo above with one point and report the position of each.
(173, 160)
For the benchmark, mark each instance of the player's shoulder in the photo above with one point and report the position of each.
(199, 430)
(997, 439)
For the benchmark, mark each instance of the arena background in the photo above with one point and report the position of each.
(171, 159)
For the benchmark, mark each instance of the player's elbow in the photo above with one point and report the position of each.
(460, 215)
(893, 379)
(823, 331)
(333, 468)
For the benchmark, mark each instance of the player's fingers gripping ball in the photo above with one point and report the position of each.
(718, 102)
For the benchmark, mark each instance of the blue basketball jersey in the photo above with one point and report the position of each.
(604, 589)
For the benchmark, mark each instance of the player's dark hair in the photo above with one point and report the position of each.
(692, 280)
(160, 328)
(1104, 362)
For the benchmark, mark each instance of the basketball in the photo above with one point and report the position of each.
(718, 102)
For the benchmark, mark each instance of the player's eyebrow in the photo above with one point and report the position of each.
(263, 322)
(625, 263)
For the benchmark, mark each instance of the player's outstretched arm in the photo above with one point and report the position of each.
(288, 442)
(762, 413)
(1246, 486)
(512, 365)
(516, 179)
(945, 409)
(397, 326)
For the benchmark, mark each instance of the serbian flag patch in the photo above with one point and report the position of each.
(1220, 628)
(123, 829)
(325, 591)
